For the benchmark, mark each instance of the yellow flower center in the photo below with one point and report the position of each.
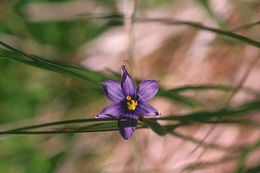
(131, 104)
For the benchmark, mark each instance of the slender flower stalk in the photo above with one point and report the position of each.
(128, 102)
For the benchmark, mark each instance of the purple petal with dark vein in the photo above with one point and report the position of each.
(113, 90)
(127, 124)
(127, 84)
(111, 111)
(144, 109)
(147, 90)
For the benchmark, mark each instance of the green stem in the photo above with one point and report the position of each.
(61, 123)
(62, 131)
(194, 25)
(199, 26)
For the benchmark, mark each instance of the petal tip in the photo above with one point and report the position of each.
(125, 138)
(127, 84)
(123, 67)
(124, 70)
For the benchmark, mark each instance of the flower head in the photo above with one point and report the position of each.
(129, 102)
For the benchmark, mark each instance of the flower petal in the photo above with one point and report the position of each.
(127, 83)
(111, 111)
(113, 90)
(147, 90)
(127, 124)
(144, 109)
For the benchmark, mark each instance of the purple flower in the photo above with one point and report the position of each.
(129, 102)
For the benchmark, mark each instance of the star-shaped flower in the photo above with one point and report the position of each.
(129, 102)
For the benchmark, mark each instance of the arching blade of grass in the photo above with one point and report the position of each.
(178, 98)
(102, 16)
(96, 127)
(245, 155)
(105, 125)
(211, 13)
(204, 164)
(210, 87)
(240, 122)
(196, 117)
(75, 72)
(96, 77)
(206, 145)
(201, 27)
(90, 76)
(89, 120)
(63, 131)
(247, 26)
(225, 112)
(99, 126)
(39, 63)
(200, 87)
(255, 169)
(169, 21)
(155, 126)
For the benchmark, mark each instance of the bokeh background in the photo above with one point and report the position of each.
(70, 32)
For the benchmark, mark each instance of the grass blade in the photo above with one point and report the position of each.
(247, 26)
(201, 27)
(245, 155)
(76, 72)
(211, 13)
(156, 127)
(178, 98)
(191, 24)
(224, 112)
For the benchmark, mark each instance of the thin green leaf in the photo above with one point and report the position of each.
(246, 153)
(105, 125)
(247, 26)
(209, 87)
(206, 28)
(62, 123)
(103, 16)
(204, 144)
(200, 87)
(211, 13)
(178, 98)
(63, 131)
(255, 169)
(72, 71)
(187, 23)
(204, 164)
(99, 126)
(241, 122)
(191, 24)
(225, 112)
(156, 127)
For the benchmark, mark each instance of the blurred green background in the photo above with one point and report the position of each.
(28, 93)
